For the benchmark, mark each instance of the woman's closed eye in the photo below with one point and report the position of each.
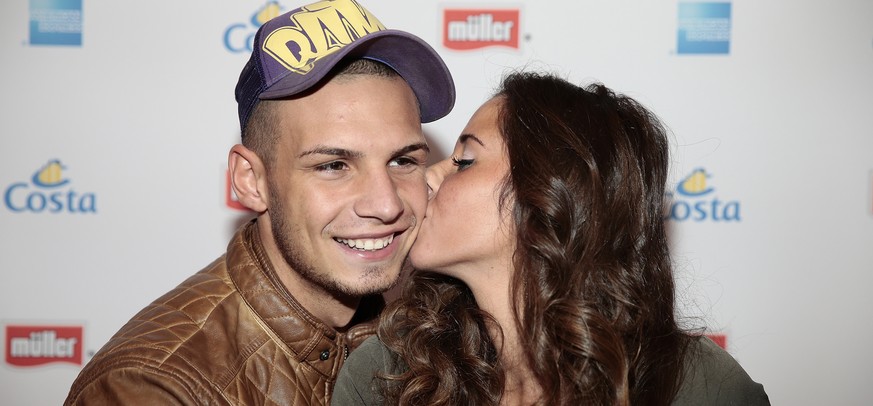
(462, 163)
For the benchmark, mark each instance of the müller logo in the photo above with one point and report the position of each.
(28, 346)
(477, 28)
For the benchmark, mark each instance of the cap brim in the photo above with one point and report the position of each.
(411, 57)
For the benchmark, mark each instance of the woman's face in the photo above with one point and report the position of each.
(464, 234)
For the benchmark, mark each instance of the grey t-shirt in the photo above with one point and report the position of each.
(712, 377)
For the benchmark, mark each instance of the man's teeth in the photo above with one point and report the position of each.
(367, 244)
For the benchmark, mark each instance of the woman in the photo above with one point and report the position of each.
(548, 278)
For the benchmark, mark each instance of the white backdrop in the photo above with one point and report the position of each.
(135, 101)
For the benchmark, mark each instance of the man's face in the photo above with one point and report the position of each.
(347, 189)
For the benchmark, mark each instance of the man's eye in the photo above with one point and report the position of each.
(462, 163)
(403, 161)
(332, 166)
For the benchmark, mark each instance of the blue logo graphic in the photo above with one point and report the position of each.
(239, 37)
(695, 200)
(704, 28)
(46, 193)
(56, 22)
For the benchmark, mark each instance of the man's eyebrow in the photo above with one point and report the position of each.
(325, 150)
(345, 153)
(464, 137)
(412, 148)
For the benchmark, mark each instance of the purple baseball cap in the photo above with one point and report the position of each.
(294, 51)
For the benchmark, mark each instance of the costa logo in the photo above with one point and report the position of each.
(48, 191)
(695, 200)
(28, 346)
(477, 28)
(238, 37)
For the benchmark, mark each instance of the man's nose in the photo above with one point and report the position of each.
(379, 198)
(435, 175)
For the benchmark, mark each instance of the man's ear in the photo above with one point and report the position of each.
(248, 178)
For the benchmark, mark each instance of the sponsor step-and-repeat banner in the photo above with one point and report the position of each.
(117, 119)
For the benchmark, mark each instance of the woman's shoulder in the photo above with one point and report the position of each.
(371, 357)
(356, 383)
(714, 377)
(371, 347)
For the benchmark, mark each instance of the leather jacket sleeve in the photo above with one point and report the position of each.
(139, 385)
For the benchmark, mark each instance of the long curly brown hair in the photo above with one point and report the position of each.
(593, 285)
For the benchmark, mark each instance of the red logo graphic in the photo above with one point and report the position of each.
(718, 338)
(28, 346)
(471, 29)
(230, 197)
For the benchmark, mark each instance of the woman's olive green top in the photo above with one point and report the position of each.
(712, 377)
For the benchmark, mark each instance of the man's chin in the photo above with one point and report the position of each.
(367, 289)
(370, 283)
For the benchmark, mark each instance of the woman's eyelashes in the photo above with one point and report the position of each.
(461, 163)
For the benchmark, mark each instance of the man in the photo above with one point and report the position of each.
(332, 159)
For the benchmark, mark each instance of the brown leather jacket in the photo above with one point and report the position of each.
(230, 334)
